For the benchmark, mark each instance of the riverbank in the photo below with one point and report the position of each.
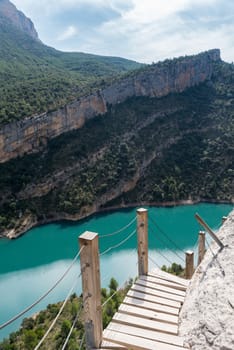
(25, 223)
(207, 314)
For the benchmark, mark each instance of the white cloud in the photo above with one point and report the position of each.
(70, 32)
(144, 30)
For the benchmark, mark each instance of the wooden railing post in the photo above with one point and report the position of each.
(201, 246)
(189, 268)
(90, 269)
(142, 237)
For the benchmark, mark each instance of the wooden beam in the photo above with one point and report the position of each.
(208, 229)
(142, 237)
(90, 269)
(189, 267)
(201, 246)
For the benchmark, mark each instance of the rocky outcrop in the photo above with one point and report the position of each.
(17, 18)
(207, 316)
(171, 76)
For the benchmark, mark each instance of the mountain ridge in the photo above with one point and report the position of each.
(35, 78)
(18, 18)
(171, 76)
(90, 132)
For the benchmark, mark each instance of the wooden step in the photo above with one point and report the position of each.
(151, 306)
(137, 343)
(111, 346)
(154, 299)
(156, 286)
(157, 293)
(168, 277)
(148, 314)
(148, 334)
(159, 281)
(144, 323)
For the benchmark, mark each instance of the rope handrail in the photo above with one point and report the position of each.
(164, 256)
(120, 230)
(164, 233)
(82, 341)
(118, 244)
(162, 241)
(42, 296)
(154, 262)
(72, 327)
(57, 316)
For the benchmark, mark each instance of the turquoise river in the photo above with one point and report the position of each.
(30, 265)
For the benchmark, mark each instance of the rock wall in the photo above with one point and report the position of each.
(207, 316)
(17, 18)
(31, 134)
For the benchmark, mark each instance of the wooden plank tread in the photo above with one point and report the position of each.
(160, 287)
(159, 281)
(144, 323)
(168, 277)
(151, 306)
(154, 299)
(148, 314)
(133, 342)
(157, 293)
(147, 334)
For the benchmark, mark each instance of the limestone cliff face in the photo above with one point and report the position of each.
(207, 316)
(31, 134)
(17, 18)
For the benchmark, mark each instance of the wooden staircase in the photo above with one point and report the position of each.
(148, 317)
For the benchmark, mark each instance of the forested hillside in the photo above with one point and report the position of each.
(35, 78)
(150, 150)
(165, 132)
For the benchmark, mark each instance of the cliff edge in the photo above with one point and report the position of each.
(171, 76)
(207, 316)
(17, 18)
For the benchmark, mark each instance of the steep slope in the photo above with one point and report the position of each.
(145, 149)
(35, 78)
(17, 18)
(157, 80)
(207, 314)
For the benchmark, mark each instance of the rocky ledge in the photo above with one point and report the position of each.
(207, 316)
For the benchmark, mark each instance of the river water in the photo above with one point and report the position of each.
(30, 265)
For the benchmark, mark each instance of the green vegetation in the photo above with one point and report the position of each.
(174, 269)
(33, 328)
(35, 78)
(144, 150)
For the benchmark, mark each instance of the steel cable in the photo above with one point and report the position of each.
(118, 231)
(57, 316)
(43, 296)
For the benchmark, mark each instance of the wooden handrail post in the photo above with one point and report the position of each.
(90, 269)
(189, 268)
(201, 246)
(208, 229)
(142, 237)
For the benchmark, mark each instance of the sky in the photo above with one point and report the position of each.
(141, 30)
